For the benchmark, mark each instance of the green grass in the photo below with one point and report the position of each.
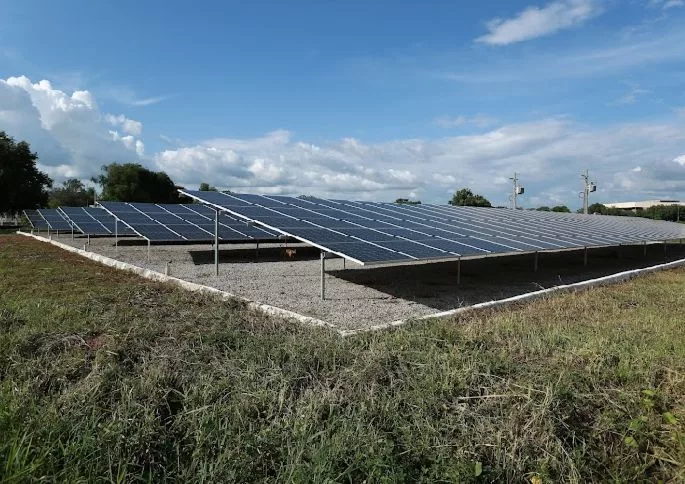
(105, 376)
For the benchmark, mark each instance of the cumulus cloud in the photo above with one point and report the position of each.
(537, 21)
(128, 126)
(549, 154)
(129, 142)
(74, 139)
(68, 131)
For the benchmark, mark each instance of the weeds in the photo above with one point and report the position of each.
(104, 376)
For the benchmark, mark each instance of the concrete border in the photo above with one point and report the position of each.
(291, 315)
(189, 286)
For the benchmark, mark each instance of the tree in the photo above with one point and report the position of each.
(72, 193)
(597, 208)
(561, 208)
(672, 213)
(131, 182)
(406, 201)
(465, 197)
(22, 185)
(544, 208)
(206, 187)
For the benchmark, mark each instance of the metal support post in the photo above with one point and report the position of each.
(665, 242)
(116, 235)
(72, 232)
(644, 248)
(323, 275)
(344, 262)
(216, 242)
(88, 238)
(585, 256)
(535, 263)
(459, 270)
(257, 250)
(148, 250)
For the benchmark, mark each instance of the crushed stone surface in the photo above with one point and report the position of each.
(356, 296)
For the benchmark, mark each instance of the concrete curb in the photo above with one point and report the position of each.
(530, 296)
(189, 286)
(286, 314)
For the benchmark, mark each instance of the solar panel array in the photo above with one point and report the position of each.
(36, 221)
(371, 233)
(182, 222)
(55, 219)
(93, 221)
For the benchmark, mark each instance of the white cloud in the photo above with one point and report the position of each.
(611, 56)
(73, 138)
(549, 154)
(450, 121)
(667, 4)
(479, 120)
(128, 126)
(680, 111)
(537, 21)
(632, 96)
(67, 130)
(146, 101)
(129, 97)
(129, 142)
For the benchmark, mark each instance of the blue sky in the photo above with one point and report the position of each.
(370, 100)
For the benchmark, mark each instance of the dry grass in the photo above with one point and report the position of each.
(104, 376)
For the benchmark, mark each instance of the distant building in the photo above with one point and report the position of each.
(639, 206)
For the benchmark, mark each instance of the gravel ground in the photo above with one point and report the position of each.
(357, 296)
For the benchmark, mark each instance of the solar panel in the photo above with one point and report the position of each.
(55, 219)
(106, 219)
(182, 222)
(373, 232)
(36, 221)
(92, 221)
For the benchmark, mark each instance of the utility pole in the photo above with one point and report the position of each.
(518, 190)
(588, 188)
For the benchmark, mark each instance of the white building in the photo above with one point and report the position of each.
(638, 206)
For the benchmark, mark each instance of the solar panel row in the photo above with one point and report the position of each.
(36, 221)
(179, 222)
(93, 221)
(371, 232)
(55, 219)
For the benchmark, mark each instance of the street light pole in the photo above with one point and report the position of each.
(588, 188)
(517, 190)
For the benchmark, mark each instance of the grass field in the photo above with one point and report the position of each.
(105, 376)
